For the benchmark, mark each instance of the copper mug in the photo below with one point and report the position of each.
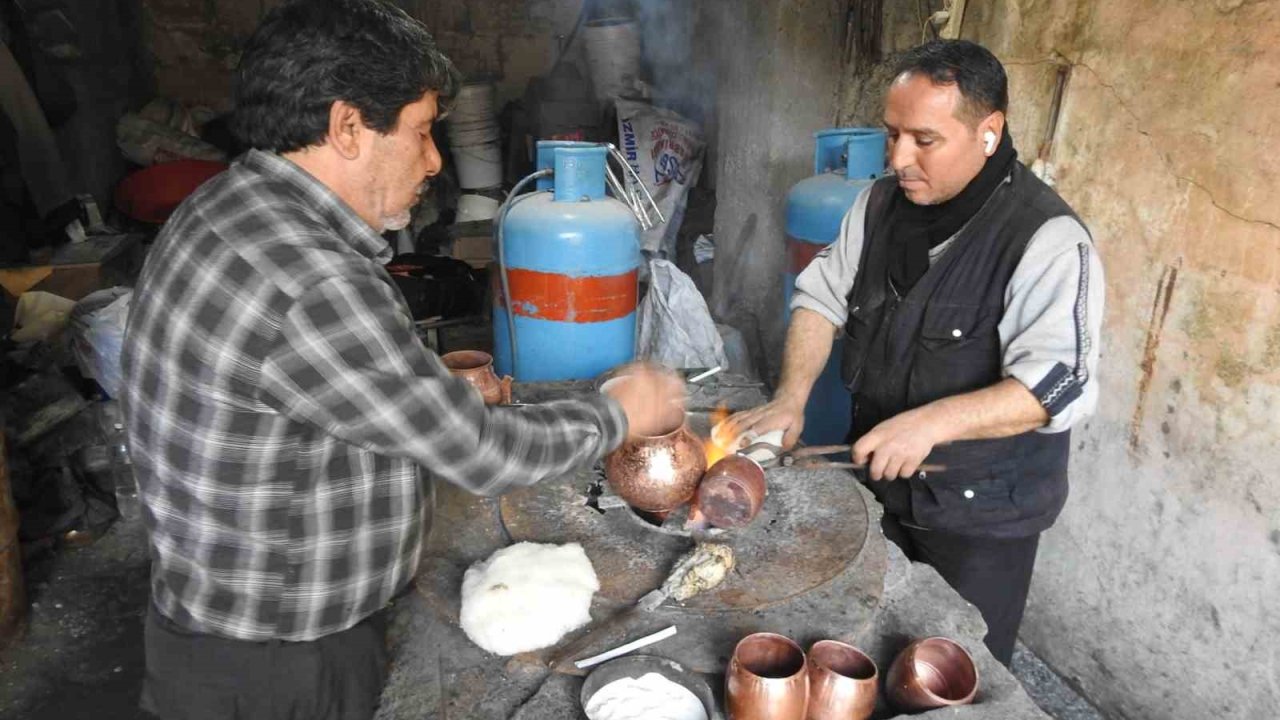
(842, 682)
(767, 679)
(476, 367)
(932, 673)
(732, 492)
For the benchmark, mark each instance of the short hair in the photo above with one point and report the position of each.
(983, 84)
(307, 54)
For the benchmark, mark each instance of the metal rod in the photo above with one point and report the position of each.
(624, 649)
(824, 465)
(704, 375)
(621, 193)
(629, 196)
(613, 148)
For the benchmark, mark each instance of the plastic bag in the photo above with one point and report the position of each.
(676, 328)
(666, 151)
(97, 328)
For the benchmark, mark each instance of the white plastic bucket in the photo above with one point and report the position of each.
(476, 208)
(613, 54)
(475, 102)
(473, 133)
(479, 166)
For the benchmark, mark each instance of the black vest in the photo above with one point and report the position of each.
(941, 339)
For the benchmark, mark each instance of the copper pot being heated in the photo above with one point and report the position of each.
(931, 673)
(657, 473)
(476, 367)
(842, 682)
(732, 492)
(767, 679)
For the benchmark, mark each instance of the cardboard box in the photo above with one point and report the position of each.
(474, 248)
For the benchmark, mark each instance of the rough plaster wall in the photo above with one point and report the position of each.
(1157, 589)
(195, 43)
(779, 72)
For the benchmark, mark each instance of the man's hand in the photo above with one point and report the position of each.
(898, 446)
(652, 397)
(783, 414)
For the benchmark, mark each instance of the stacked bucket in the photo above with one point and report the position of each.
(477, 153)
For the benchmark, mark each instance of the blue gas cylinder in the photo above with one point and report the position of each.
(572, 259)
(845, 161)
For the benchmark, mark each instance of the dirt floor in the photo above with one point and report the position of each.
(81, 654)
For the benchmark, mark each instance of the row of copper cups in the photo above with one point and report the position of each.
(771, 678)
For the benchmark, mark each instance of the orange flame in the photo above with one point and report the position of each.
(715, 449)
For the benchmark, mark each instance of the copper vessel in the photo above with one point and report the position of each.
(476, 367)
(767, 679)
(842, 682)
(657, 473)
(732, 492)
(931, 673)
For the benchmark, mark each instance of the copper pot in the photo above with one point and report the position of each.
(767, 679)
(842, 682)
(932, 673)
(476, 367)
(657, 473)
(732, 492)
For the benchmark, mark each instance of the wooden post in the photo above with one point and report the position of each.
(13, 601)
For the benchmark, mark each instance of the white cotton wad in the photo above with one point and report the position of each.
(527, 597)
(649, 697)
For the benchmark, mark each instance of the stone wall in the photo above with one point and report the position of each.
(195, 44)
(1157, 589)
(778, 77)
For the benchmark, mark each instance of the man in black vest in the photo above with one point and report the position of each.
(970, 298)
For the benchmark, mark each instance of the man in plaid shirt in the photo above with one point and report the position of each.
(280, 408)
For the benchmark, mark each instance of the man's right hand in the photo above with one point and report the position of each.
(652, 397)
(781, 413)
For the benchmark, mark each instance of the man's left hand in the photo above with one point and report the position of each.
(898, 446)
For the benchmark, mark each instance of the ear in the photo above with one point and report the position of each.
(994, 123)
(345, 128)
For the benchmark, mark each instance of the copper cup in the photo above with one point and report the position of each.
(732, 492)
(842, 682)
(767, 679)
(476, 367)
(932, 673)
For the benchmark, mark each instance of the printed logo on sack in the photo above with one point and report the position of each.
(669, 151)
(629, 146)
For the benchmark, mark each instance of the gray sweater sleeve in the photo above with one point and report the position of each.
(824, 286)
(1052, 317)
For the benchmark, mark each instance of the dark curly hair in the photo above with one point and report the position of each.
(984, 87)
(307, 54)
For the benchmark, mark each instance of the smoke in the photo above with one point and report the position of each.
(683, 79)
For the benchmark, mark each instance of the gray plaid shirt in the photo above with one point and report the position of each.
(279, 407)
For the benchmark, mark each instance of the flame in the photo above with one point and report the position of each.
(715, 448)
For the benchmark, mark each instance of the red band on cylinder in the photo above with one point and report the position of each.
(546, 296)
(800, 254)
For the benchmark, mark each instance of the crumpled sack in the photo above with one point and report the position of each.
(97, 328)
(666, 150)
(675, 326)
(40, 316)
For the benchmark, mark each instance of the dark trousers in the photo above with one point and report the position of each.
(204, 677)
(992, 573)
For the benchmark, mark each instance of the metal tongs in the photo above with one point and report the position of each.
(769, 455)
